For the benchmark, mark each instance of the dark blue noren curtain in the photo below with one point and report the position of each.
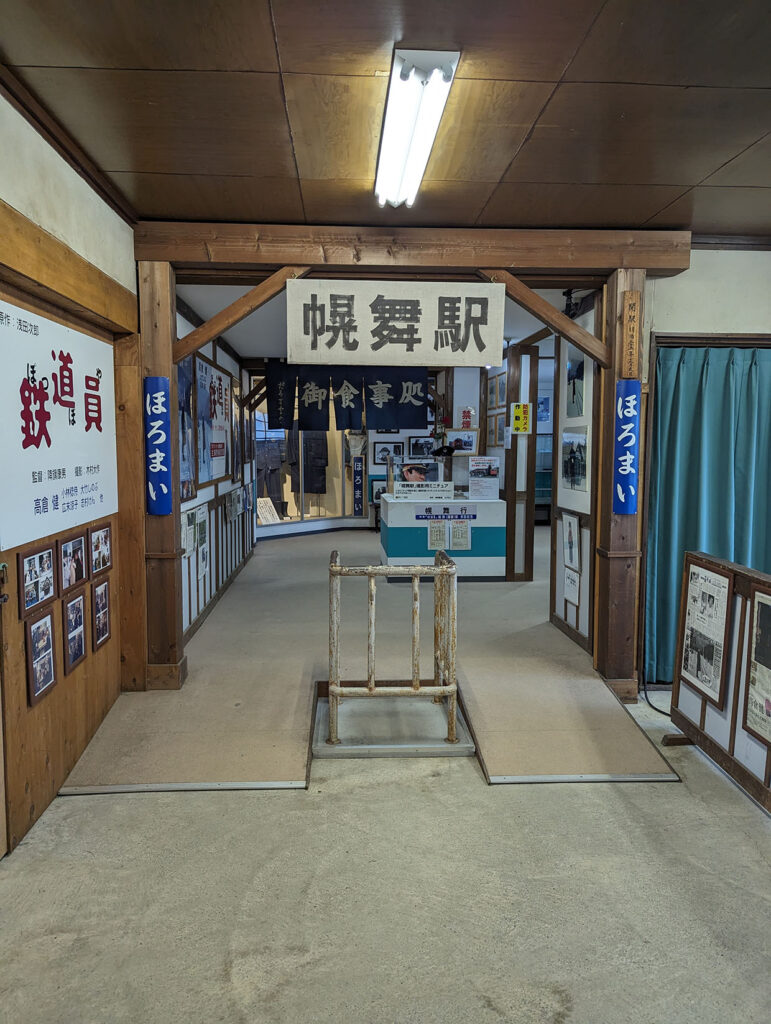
(347, 388)
(281, 387)
(710, 477)
(396, 398)
(313, 397)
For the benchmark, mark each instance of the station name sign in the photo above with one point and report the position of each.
(394, 323)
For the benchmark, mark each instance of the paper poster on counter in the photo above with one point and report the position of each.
(460, 535)
(58, 458)
(484, 473)
(437, 535)
(439, 511)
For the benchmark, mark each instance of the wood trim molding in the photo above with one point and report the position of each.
(245, 246)
(236, 311)
(549, 315)
(39, 263)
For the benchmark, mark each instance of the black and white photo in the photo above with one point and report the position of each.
(574, 459)
(385, 448)
(420, 447)
(705, 631)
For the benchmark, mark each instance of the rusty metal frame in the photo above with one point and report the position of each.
(444, 684)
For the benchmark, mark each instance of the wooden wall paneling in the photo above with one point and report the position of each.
(41, 263)
(43, 742)
(618, 554)
(131, 519)
(167, 665)
(530, 251)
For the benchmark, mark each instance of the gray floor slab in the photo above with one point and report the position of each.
(396, 727)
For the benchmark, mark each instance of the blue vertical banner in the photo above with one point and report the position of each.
(358, 485)
(157, 415)
(626, 448)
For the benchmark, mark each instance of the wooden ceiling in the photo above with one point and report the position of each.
(564, 113)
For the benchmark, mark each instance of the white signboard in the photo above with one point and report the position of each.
(572, 586)
(57, 458)
(419, 490)
(394, 323)
(266, 511)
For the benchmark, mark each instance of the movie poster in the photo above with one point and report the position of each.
(213, 399)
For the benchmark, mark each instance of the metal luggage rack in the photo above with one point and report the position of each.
(444, 683)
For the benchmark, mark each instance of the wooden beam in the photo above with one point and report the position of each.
(247, 399)
(166, 664)
(53, 271)
(550, 315)
(259, 396)
(194, 318)
(532, 339)
(236, 311)
(528, 251)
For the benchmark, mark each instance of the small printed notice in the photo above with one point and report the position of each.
(572, 586)
(521, 417)
(456, 511)
(188, 533)
(460, 535)
(437, 535)
(202, 527)
(423, 490)
(266, 512)
(484, 477)
(758, 699)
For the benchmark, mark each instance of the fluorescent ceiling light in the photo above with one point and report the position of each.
(417, 92)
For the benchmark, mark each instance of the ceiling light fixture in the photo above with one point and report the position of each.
(417, 93)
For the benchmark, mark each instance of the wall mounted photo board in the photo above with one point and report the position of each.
(74, 629)
(100, 549)
(38, 578)
(100, 613)
(501, 392)
(41, 655)
(74, 560)
(491, 393)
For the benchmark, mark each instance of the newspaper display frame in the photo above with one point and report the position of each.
(758, 722)
(704, 630)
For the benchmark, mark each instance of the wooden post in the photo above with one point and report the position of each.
(166, 663)
(618, 543)
(131, 518)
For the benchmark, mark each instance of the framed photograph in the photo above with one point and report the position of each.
(420, 447)
(385, 448)
(491, 393)
(100, 548)
(704, 624)
(38, 583)
(757, 698)
(41, 658)
(572, 586)
(425, 471)
(387, 430)
(73, 561)
(214, 435)
(100, 613)
(376, 488)
(571, 542)
(464, 442)
(574, 373)
(236, 433)
(501, 392)
(375, 481)
(500, 430)
(574, 459)
(74, 626)
(491, 431)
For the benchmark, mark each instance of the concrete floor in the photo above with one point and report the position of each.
(395, 892)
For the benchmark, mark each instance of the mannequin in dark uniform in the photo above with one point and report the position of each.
(315, 460)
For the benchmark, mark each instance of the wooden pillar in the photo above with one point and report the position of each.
(618, 536)
(131, 519)
(166, 663)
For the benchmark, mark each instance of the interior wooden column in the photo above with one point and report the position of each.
(131, 518)
(166, 663)
(618, 541)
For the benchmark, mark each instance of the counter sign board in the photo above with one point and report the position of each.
(58, 458)
(394, 323)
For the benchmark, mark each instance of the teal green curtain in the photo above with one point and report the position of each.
(710, 478)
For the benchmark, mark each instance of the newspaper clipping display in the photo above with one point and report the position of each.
(705, 627)
(758, 709)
